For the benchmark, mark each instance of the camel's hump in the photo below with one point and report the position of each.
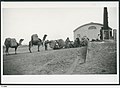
(11, 41)
(34, 37)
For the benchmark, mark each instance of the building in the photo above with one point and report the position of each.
(95, 30)
(90, 30)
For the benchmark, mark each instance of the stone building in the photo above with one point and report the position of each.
(90, 30)
(95, 30)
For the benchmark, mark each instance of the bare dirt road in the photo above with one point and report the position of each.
(58, 62)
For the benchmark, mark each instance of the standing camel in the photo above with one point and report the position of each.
(36, 41)
(11, 43)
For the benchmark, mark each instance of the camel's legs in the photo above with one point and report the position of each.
(30, 49)
(42, 43)
(38, 48)
(15, 50)
(7, 51)
(45, 46)
(30, 45)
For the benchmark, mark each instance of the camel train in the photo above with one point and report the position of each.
(60, 43)
(54, 44)
(12, 43)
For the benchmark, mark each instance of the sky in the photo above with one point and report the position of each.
(58, 21)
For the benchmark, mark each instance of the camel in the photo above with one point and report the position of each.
(36, 41)
(11, 43)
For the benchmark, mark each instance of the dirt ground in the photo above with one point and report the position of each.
(59, 62)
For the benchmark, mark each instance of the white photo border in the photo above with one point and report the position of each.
(58, 79)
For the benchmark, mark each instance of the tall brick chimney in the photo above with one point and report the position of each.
(105, 32)
(105, 19)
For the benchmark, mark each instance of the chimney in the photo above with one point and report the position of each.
(105, 19)
(105, 30)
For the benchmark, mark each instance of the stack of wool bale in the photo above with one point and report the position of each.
(34, 37)
(61, 43)
(52, 44)
(13, 42)
(84, 41)
(57, 44)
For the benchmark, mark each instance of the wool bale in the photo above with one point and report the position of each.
(34, 37)
(7, 41)
(71, 45)
(56, 45)
(84, 41)
(77, 42)
(13, 42)
(61, 43)
(52, 43)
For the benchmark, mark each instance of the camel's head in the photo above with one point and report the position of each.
(44, 37)
(20, 41)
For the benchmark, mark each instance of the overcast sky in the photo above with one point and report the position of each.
(56, 22)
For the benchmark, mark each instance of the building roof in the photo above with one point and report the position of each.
(89, 24)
